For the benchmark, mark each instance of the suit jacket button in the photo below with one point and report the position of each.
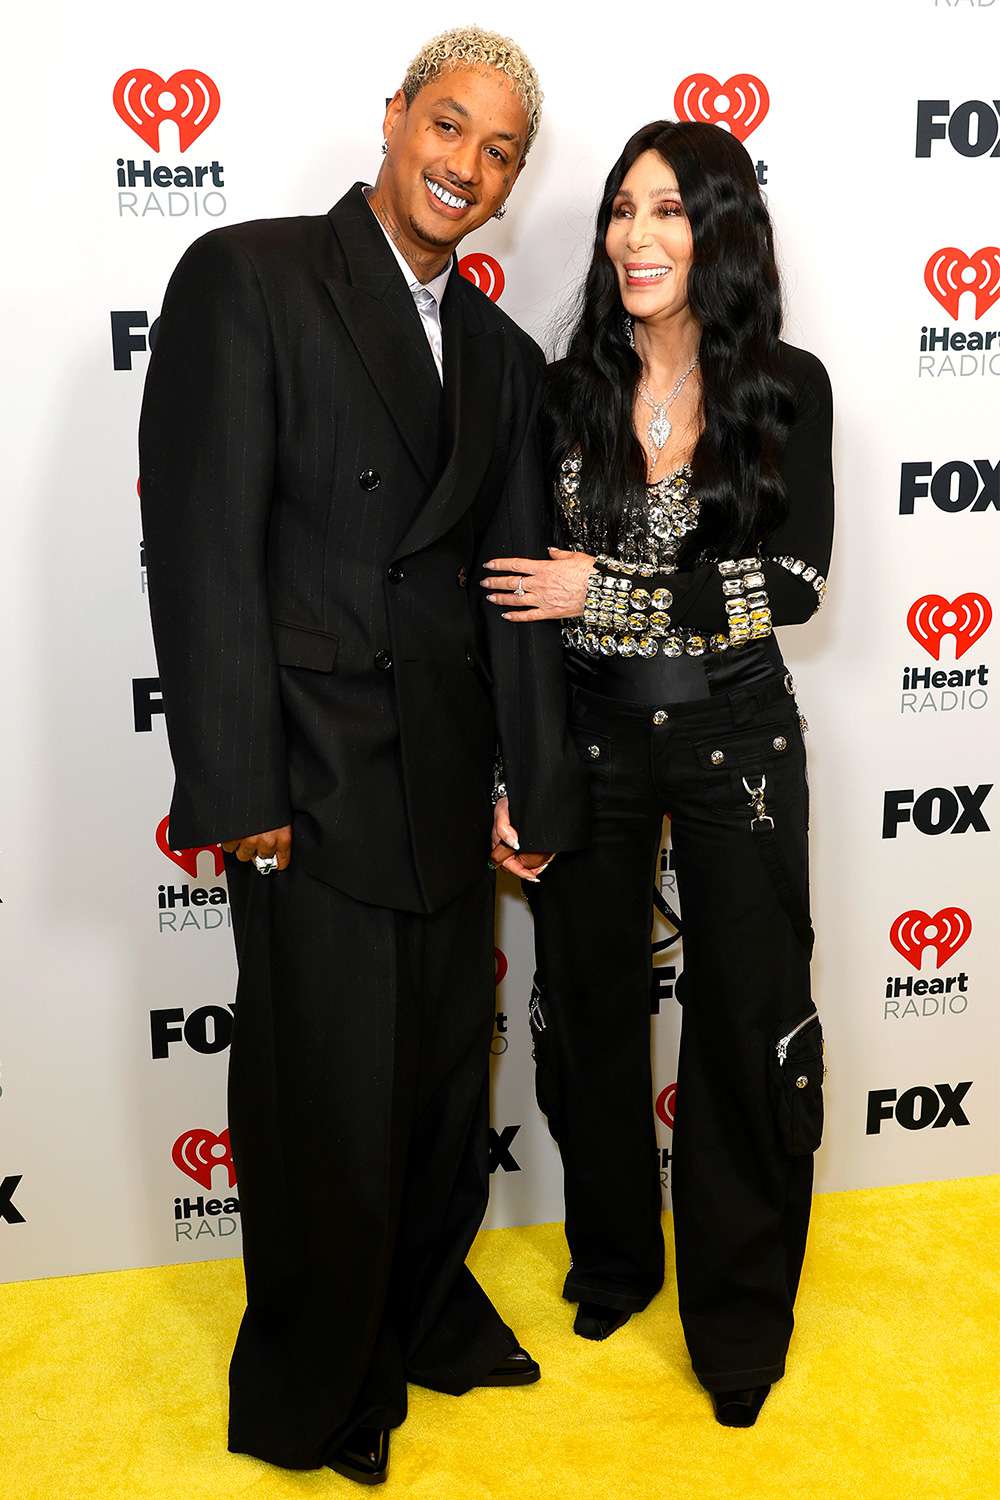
(462, 578)
(369, 479)
(468, 658)
(383, 661)
(395, 574)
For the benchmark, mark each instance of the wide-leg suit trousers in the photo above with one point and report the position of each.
(749, 1102)
(358, 1099)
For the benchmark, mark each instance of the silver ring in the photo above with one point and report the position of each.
(519, 590)
(266, 865)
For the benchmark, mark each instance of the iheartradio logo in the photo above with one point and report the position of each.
(666, 1101)
(144, 100)
(739, 105)
(485, 273)
(950, 272)
(945, 932)
(500, 966)
(187, 858)
(931, 618)
(197, 1152)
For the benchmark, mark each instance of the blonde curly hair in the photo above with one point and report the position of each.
(473, 47)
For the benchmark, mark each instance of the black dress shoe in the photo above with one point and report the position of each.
(594, 1321)
(517, 1368)
(364, 1457)
(739, 1408)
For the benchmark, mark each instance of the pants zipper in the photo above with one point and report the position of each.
(784, 1041)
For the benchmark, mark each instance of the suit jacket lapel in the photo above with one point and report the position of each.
(379, 314)
(473, 370)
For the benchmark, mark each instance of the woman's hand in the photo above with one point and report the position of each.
(503, 830)
(505, 841)
(550, 590)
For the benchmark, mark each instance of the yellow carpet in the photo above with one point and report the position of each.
(113, 1386)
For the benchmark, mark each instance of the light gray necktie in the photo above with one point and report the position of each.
(430, 317)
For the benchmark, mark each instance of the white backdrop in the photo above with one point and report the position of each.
(97, 961)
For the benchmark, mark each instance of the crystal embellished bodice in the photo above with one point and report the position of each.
(626, 632)
(652, 526)
(664, 618)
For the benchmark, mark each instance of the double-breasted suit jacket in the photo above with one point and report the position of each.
(315, 510)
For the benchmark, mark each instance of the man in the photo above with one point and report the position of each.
(337, 431)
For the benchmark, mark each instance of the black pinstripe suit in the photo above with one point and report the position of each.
(315, 511)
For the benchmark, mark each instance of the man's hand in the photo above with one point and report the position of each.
(276, 841)
(506, 854)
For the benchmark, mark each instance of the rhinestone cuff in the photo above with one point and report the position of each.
(621, 618)
(800, 569)
(748, 610)
(499, 781)
(616, 603)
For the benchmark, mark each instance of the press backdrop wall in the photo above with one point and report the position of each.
(118, 968)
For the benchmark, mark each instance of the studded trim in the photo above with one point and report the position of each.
(806, 572)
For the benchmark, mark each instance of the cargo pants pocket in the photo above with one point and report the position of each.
(795, 1075)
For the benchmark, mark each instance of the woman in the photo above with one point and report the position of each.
(691, 462)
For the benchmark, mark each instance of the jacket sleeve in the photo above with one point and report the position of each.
(206, 462)
(543, 775)
(785, 583)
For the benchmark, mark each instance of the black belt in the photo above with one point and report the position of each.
(744, 704)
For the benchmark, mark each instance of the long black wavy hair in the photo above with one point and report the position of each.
(734, 292)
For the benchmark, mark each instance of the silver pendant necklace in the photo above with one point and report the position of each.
(660, 426)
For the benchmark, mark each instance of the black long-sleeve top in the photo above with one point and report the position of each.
(653, 632)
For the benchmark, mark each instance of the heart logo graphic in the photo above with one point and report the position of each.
(950, 272)
(197, 1151)
(187, 858)
(931, 618)
(500, 965)
(144, 100)
(665, 1103)
(740, 103)
(485, 273)
(945, 932)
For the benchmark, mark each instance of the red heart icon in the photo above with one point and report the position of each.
(144, 100)
(197, 1151)
(485, 273)
(665, 1103)
(946, 931)
(950, 272)
(741, 102)
(187, 858)
(931, 618)
(500, 968)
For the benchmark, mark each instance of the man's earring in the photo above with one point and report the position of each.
(385, 147)
(628, 331)
(500, 211)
